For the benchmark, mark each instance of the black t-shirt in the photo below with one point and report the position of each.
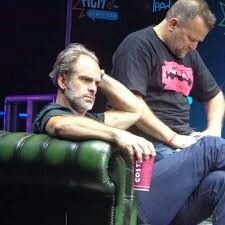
(144, 64)
(53, 109)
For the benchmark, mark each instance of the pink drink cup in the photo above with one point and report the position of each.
(143, 174)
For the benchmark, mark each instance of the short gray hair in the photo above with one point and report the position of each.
(186, 10)
(67, 58)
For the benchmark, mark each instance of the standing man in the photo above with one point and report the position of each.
(163, 68)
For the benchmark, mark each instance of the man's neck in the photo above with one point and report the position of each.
(160, 31)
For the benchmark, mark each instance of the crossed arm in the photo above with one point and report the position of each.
(127, 111)
(150, 124)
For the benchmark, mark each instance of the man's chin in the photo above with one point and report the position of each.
(88, 106)
(181, 55)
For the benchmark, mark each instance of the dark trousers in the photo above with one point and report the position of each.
(187, 186)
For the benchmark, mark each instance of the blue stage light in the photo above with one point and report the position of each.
(21, 115)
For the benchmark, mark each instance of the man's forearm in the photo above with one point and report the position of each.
(215, 114)
(122, 99)
(119, 96)
(122, 120)
(83, 128)
(153, 126)
(150, 124)
(79, 128)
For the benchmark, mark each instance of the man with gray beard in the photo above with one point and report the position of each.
(77, 76)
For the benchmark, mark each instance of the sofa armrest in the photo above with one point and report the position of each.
(46, 160)
(27, 158)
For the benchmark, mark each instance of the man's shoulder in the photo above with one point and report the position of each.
(48, 111)
(140, 36)
(193, 55)
(141, 40)
(55, 106)
(192, 59)
(143, 31)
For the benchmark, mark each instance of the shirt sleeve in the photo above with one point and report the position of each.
(52, 110)
(205, 87)
(130, 65)
(45, 114)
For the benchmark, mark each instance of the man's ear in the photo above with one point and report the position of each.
(173, 23)
(61, 81)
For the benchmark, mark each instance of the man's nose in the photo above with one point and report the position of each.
(92, 87)
(193, 45)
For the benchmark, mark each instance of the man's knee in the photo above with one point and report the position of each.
(212, 141)
(213, 147)
(214, 185)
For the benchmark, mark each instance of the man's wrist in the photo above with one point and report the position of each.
(170, 140)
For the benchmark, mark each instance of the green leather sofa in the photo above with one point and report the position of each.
(48, 181)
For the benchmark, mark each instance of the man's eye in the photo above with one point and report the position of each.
(86, 79)
(192, 40)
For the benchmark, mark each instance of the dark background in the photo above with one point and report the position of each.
(32, 32)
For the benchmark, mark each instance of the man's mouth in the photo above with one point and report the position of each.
(89, 98)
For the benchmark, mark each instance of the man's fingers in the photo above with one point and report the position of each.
(148, 148)
(152, 149)
(138, 152)
(135, 152)
(137, 147)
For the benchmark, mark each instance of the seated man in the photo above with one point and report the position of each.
(161, 65)
(77, 75)
(186, 187)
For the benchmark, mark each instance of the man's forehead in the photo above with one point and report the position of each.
(199, 28)
(87, 68)
(85, 61)
(197, 21)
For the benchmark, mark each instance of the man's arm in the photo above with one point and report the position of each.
(127, 109)
(215, 114)
(150, 124)
(83, 128)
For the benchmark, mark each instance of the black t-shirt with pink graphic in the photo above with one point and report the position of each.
(144, 64)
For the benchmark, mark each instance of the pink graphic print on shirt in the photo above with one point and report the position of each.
(177, 77)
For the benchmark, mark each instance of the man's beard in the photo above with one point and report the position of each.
(76, 101)
(181, 55)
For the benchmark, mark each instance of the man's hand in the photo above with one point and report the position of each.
(182, 141)
(211, 132)
(137, 147)
(215, 109)
(207, 132)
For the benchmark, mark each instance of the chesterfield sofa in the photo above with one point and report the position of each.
(48, 181)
